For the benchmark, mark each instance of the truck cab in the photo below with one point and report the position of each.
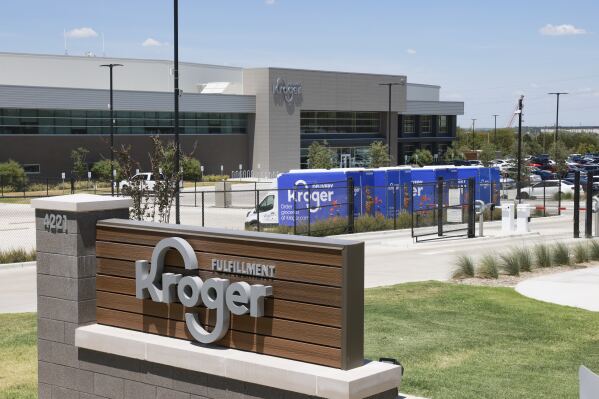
(266, 213)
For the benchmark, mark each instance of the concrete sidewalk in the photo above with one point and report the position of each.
(577, 288)
(18, 286)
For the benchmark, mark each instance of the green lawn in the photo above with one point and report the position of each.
(455, 341)
(18, 356)
(459, 341)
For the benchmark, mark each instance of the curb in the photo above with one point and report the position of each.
(19, 265)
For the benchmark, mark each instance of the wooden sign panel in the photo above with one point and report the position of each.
(315, 313)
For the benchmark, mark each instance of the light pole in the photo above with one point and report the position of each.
(473, 121)
(389, 85)
(495, 132)
(111, 107)
(176, 115)
(519, 181)
(556, 94)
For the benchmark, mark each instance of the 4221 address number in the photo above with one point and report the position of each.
(55, 223)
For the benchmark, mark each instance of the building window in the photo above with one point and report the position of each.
(426, 125)
(332, 122)
(409, 125)
(442, 125)
(408, 150)
(32, 169)
(31, 121)
(345, 157)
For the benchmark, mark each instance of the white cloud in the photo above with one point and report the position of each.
(561, 30)
(149, 42)
(81, 33)
(269, 2)
(411, 51)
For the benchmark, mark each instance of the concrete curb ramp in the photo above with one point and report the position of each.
(577, 288)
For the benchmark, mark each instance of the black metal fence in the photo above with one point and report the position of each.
(31, 187)
(447, 208)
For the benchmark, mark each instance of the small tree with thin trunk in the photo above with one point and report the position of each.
(422, 157)
(78, 157)
(320, 156)
(487, 154)
(379, 155)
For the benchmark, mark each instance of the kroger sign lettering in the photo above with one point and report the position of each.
(288, 91)
(316, 195)
(216, 293)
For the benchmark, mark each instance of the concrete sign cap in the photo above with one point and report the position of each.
(81, 203)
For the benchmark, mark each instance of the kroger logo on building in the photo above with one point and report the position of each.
(289, 91)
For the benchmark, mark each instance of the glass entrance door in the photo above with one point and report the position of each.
(345, 161)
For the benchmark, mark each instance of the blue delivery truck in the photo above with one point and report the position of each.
(326, 192)
(392, 183)
(486, 182)
(424, 185)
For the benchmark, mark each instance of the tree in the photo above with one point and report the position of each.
(379, 155)
(142, 207)
(79, 165)
(452, 154)
(422, 157)
(560, 154)
(162, 160)
(12, 174)
(102, 170)
(320, 156)
(586, 148)
(487, 154)
(192, 169)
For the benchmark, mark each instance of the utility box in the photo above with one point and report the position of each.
(222, 194)
(523, 220)
(507, 218)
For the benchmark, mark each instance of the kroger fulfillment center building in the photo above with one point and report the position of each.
(263, 119)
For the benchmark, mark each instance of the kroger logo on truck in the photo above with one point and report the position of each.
(311, 197)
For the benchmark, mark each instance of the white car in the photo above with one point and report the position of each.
(547, 188)
(146, 178)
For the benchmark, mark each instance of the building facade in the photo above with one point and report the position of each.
(263, 119)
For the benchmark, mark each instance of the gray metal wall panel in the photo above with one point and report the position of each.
(434, 108)
(90, 99)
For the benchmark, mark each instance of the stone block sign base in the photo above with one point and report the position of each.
(80, 359)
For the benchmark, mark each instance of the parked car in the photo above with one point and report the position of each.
(544, 174)
(547, 189)
(145, 178)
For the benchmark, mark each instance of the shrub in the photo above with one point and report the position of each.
(581, 253)
(12, 174)
(594, 250)
(422, 157)
(524, 258)
(366, 223)
(542, 255)
(489, 267)
(510, 263)
(214, 178)
(561, 254)
(464, 267)
(17, 255)
(565, 196)
(192, 169)
(102, 170)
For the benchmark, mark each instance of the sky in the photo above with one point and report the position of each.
(483, 53)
